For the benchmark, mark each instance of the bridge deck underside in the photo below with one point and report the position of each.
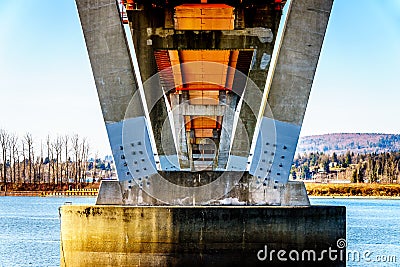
(204, 67)
(196, 83)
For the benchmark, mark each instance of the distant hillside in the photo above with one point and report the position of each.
(355, 142)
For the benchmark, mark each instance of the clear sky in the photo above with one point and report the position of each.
(46, 83)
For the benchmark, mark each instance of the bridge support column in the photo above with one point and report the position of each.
(202, 236)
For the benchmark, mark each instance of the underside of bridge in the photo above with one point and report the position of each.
(190, 113)
(203, 122)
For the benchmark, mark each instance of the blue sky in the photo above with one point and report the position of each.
(46, 83)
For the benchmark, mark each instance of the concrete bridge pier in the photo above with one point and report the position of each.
(109, 235)
(193, 189)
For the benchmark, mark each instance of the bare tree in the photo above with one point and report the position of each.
(96, 156)
(33, 167)
(57, 146)
(29, 143)
(9, 161)
(48, 143)
(19, 165)
(13, 147)
(76, 150)
(53, 171)
(84, 158)
(67, 159)
(4, 139)
(24, 162)
(40, 163)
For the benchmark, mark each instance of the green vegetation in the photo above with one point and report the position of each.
(357, 168)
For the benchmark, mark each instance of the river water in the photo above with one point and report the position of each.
(373, 230)
(30, 229)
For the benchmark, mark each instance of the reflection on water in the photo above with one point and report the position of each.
(30, 227)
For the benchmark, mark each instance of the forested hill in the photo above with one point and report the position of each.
(355, 142)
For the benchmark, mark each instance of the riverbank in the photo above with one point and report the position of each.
(313, 189)
(47, 189)
(354, 190)
(68, 193)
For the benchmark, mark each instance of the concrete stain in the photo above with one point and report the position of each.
(90, 211)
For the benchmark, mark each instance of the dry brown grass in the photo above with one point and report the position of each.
(47, 186)
(362, 190)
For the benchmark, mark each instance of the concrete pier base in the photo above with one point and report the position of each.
(102, 235)
(293, 193)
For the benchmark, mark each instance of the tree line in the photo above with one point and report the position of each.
(371, 167)
(57, 160)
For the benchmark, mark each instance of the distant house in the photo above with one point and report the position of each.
(332, 164)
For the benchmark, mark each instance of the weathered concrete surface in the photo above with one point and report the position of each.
(293, 72)
(290, 85)
(113, 71)
(109, 56)
(197, 236)
(297, 59)
(293, 193)
(244, 190)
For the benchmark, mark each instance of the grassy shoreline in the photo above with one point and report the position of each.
(318, 190)
(49, 189)
(353, 190)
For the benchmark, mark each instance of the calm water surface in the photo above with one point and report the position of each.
(373, 230)
(30, 228)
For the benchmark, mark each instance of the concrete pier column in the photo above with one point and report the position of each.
(202, 236)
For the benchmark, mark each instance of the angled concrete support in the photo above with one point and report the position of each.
(180, 130)
(116, 85)
(227, 131)
(289, 89)
(109, 56)
(142, 28)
